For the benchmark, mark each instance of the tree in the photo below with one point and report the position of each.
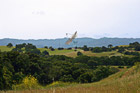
(69, 48)
(100, 73)
(97, 49)
(85, 48)
(10, 45)
(85, 77)
(79, 53)
(121, 49)
(110, 46)
(45, 52)
(92, 64)
(67, 78)
(46, 47)
(82, 59)
(104, 49)
(134, 44)
(6, 78)
(51, 48)
(18, 77)
(35, 51)
(29, 47)
(60, 48)
(137, 48)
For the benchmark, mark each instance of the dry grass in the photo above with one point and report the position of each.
(128, 82)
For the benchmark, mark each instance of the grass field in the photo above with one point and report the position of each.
(72, 53)
(5, 48)
(112, 53)
(69, 53)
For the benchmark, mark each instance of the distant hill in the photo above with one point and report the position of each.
(91, 42)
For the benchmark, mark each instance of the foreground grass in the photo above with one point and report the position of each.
(125, 81)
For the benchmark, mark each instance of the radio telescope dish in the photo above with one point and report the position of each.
(71, 39)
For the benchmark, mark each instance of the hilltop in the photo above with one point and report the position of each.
(90, 42)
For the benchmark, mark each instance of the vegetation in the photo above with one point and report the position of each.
(125, 81)
(27, 67)
(10, 45)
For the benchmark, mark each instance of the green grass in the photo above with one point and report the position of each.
(59, 52)
(56, 51)
(72, 53)
(111, 53)
(5, 48)
(123, 45)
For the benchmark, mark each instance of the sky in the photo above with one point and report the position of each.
(51, 19)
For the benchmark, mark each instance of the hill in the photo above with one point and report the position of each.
(125, 81)
(90, 42)
(71, 53)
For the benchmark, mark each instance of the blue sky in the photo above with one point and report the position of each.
(49, 19)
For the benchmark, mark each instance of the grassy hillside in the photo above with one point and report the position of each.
(125, 81)
(71, 53)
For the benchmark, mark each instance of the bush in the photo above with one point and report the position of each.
(10, 45)
(52, 49)
(113, 70)
(45, 52)
(46, 47)
(79, 53)
(60, 48)
(85, 77)
(120, 67)
(67, 78)
(28, 82)
(69, 48)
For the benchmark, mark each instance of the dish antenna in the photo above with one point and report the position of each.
(71, 39)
